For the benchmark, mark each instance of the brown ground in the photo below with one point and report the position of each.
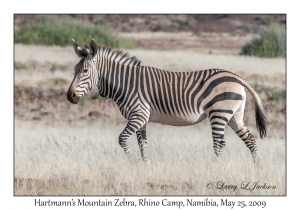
(210, 43)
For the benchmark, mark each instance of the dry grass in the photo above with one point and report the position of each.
(87, 160)
(66, 152)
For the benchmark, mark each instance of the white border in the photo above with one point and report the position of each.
(6, 193)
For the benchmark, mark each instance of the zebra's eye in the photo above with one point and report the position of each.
(85, 70)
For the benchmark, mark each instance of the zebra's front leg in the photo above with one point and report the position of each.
(132, 126)
(142, 141)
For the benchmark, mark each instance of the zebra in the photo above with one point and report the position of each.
(146, 94)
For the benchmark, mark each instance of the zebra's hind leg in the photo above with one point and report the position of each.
(142, 141)
(242, 131)
(218, 136)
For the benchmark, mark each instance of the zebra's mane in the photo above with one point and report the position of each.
(118, 56)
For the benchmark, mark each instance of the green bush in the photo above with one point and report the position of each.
(191, 21)
(266, 20)
(187, 22)
(159, 28)
(49, 31)
(19, 65)
(242, 30)
(270, 44)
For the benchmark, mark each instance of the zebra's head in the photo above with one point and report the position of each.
(85, 77)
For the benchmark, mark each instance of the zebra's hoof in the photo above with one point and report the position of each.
(256, 160)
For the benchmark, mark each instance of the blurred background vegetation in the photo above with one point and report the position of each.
(270, 44)
(268, 31)
(46, 30)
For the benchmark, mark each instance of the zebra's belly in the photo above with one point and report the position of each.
(177, 120)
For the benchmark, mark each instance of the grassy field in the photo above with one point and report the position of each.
(87, 160)
(60, 149)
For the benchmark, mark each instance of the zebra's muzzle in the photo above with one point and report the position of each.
(72, 95)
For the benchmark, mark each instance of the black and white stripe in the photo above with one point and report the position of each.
(146, 94)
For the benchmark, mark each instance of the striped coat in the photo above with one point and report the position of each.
(147, 94)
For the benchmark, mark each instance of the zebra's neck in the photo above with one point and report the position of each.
(116, 79)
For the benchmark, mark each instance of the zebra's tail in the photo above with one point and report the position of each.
(261, 121)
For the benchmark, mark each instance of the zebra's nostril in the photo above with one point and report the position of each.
(73, 95)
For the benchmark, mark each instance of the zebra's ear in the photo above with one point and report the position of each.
(80, 51)
(93, 47)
